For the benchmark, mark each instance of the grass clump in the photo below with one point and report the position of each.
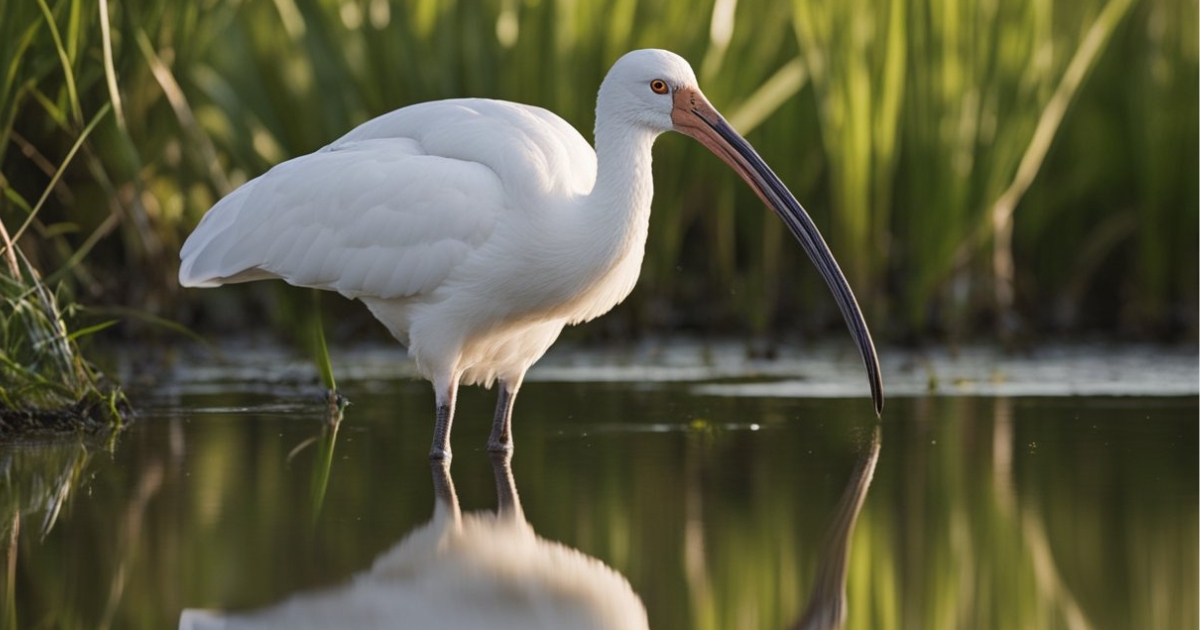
(45, 383)
(48, 87)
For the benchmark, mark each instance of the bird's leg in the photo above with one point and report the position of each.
(501, 440)
(445, 416)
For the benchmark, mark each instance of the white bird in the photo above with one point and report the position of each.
(476, 229)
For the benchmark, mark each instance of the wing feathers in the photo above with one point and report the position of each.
(370, 218)
(393, 207)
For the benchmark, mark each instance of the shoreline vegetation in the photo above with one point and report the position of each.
(45, 383)
(1001, 171)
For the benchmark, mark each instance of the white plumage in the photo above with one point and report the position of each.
(476, 229)
(389, 210)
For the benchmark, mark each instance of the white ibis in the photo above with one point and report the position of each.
(476, 229)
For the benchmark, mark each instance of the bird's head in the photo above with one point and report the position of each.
(641, 88)
(656, 91)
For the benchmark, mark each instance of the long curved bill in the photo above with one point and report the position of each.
(694, 116)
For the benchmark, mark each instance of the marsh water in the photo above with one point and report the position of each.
(1053, 490)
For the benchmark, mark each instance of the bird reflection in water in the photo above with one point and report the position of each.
(461, 570)
(826, 608)
(476, 569)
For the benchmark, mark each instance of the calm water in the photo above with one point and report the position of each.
(716, 510)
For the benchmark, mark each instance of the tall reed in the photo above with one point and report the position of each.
(855, 52)
(930, 140)
(982, 116)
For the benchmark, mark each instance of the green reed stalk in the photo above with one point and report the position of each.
(919, 117)
(1164, 156)
(855, 52)
(982, 118)
(320, 349)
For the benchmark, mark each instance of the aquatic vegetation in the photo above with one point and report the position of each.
(45, 383)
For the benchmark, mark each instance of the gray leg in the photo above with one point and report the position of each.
(441, 429)
(501, 440)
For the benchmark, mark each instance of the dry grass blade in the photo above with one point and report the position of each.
(110, 71)
(10, 254)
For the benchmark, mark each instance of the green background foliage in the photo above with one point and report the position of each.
(978, 167)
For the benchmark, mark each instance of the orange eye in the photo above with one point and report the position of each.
(659, 86)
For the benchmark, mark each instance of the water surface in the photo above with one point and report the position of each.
(721, 505)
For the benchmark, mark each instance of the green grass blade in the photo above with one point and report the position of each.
(319, 348)
(783, 85)
(83, 332)
(1056, 108)
(154, 320)
(323, 466)
(61, 168)
(65, 60)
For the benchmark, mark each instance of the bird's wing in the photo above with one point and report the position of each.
(391, 208)
(533, 151)
(372, 217)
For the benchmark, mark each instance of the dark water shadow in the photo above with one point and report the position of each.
(460, 570)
